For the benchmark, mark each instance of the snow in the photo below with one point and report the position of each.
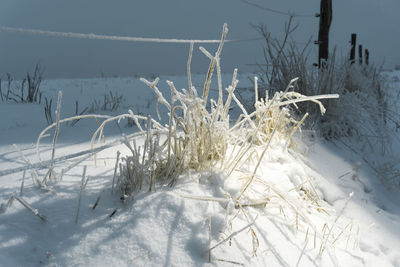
(172, 226)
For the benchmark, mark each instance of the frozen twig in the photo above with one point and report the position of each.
(45, 164)
(4, 207)
(206, 198)
(53, 152)
(229, 261)
(309, 98)
(229, 237)
(302, 253)
(73, 165)
(189, 74)
(209, 238)
(295, 129)
(22, 184)
(255, 90)
(261, 158)
(115, 171)
(29, 207)
(213, 63)
(34, 174)
(113, 213)
(83, 185)
(43, 133)
(324, 244)
(96, 203)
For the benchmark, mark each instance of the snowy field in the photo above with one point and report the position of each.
(179, 226)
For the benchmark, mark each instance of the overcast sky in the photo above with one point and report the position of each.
(376, 21)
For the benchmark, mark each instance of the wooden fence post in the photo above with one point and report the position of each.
(360, 54)
(325, 20)
(366, 56)
(353, 48)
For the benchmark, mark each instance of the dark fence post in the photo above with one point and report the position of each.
(366, 56)
(353, 48)
(325, 20)
(360, 54)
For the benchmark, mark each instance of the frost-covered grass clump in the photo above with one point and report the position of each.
(201, 138)
(363, 113)
(363, 107)
(197, 137)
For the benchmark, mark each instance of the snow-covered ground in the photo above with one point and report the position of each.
(177, 226)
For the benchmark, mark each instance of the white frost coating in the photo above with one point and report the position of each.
(102, 37)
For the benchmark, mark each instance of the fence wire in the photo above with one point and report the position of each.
(102, 37)
(290, 14)
(121, 38)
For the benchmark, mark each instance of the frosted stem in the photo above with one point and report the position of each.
(229, 237)
(53, 152)
(29, 207)
(83, 185)
(189, 62)
(115, 171)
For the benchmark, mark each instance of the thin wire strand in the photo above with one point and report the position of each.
(118, 38)
(278, 11)
(100, 37)
(114, 37)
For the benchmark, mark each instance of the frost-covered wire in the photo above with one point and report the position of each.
(101, 36)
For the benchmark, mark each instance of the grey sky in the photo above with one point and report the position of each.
(376, 21)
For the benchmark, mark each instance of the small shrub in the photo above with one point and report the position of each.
(48, 110)
(27, 91)
(33, 86)
(77, 113)
(111, 102)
